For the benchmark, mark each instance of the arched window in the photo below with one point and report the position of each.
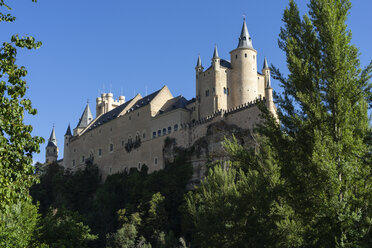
(153, 135)
(169, 129)
(175, 127)
(159, 133)
(164, 131)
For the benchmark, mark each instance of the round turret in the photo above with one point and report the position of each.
(243, 77)
(121, 99)
(242, 82)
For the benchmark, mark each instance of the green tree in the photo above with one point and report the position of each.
(236, 204)
(307, 181)
(321, 145)
(127, 236)
(64, 228)
(19, 226)
(16, 142)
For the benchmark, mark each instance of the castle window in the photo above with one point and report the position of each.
(54, 150)
(155, 161)
(214, 90)
(100, 152)
(207, 93)
(164, 131)
(254, 57)
(73, 163)
(143, 135)
(236, 56)
(225, 90)
(169, 129)
(159, 133)
(175, 127)
(111, 147)
(110, 170)
(139, 165)
(153, 135)
(82, 159)
(246, 55)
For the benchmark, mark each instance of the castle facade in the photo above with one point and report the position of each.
(126, 134)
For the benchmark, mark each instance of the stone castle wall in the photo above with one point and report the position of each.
(107, 144)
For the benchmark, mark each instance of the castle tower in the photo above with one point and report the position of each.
(84, 121)
(268, 89)
(51, 151)
(198, 73)
(242, 82)
(106, 103)
(68, 136)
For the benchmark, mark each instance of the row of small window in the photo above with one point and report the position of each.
(139, 164)
(245, 55)
(225, 91)
(165, 131)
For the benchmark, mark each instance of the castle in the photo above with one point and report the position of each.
(126, 134)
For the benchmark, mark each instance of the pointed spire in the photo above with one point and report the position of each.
(85, 118)
(265, 66)
(68, 131)
(215, 53)
(199, 63)
(52, 139)
(245, 40)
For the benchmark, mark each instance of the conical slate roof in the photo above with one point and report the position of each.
(245, 40)
(85, 118)
(215, 53)
(265, 66)
(52, 139)
(68, 131)
(198, 63)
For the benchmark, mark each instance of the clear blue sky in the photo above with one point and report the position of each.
(128, 46)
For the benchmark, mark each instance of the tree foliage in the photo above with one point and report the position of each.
(64, 228)
(307, 182)
(16, 142)
(19, 226)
